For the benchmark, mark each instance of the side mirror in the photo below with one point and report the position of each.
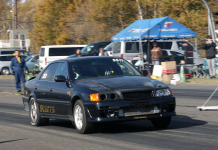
(144, 72)
(60, 78)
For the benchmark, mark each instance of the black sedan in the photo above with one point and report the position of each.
(88, 90)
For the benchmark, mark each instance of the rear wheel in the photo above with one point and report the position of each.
(161, 123)
(5, 71)
(35, 118)
(80, 120)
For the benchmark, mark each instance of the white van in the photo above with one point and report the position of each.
(130, 49)
(55, 52)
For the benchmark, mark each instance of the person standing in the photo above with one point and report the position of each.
(156, 54)
(210, 48)
(18, 66)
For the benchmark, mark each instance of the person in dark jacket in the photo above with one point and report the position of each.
(210, 48)
(18, 66)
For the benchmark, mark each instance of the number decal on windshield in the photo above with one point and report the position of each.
(117, 60)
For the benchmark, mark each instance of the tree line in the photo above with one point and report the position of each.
(52, 22)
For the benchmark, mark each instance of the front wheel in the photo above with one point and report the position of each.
(5, 71)
(161, 123)
(80, 118)
(35, 118)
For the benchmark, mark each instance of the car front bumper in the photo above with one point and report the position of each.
(124, 110)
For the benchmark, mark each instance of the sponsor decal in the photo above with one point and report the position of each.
(47, 109)
(186, 35)
(117, 60)
(173, 29)
(134, 30)
(167, 36)
(140, 117)
(167, 24)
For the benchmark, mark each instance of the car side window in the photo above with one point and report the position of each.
(62, 70)
(48, 74)
(35, 59)
(181, 45)
(132, 47)
(116, 46)
(42, 52)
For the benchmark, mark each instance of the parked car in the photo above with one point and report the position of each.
(11, 51)
(92, 49)
(89, 90)
(55, 52)
(32, 63)
(130, 49)
(5, 62)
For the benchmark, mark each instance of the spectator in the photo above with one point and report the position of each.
(78, 53)
(139, 61)
(18, 66)
(102, 52)
(210, 48)
(156, 54)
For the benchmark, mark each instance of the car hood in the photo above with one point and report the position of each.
(117, 83)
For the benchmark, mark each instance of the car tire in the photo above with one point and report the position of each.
(161, 123)
(34, 114)
(5, 71)
(80, 120)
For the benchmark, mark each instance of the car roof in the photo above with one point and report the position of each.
(60, 46)
(101, 42)
(11, 49)
(86, 58)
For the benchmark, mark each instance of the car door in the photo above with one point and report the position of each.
(42, 90)
(60, 91)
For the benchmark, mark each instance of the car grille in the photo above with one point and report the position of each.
(137, 95)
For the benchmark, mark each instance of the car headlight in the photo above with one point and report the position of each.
(163, 92)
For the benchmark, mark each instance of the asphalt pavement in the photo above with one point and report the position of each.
(190, 129)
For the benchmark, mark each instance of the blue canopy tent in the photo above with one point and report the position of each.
(158, 28)
(153, 29)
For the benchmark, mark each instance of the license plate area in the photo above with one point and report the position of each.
(140, 111)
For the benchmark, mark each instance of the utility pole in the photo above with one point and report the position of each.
(15, 14)
(211, 25)
(155, 10)
(140, 39)
(140, 11)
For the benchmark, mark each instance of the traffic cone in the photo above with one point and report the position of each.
(182, 74)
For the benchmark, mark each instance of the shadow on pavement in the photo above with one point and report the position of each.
(1, 142)
(178, 122)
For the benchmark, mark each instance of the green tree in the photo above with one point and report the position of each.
(5, 18)
(47, 27)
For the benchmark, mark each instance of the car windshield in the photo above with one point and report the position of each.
(105, 67)
(28, 58)
(87, 49)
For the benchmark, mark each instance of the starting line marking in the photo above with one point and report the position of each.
(10, 93)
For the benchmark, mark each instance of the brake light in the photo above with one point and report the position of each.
(45, 60)
(121, 56)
